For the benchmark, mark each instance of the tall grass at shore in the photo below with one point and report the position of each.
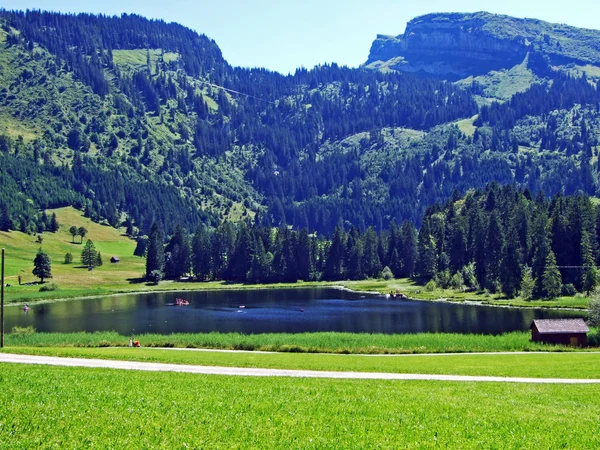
(326, 342)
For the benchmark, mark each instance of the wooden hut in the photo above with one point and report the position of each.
(560, 331)
(115, 259)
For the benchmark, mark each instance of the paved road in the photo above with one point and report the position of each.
(254, 372)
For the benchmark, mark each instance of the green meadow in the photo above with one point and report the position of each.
(68, 408)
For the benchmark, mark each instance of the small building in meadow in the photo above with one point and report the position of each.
(560, 331)
(115, 259)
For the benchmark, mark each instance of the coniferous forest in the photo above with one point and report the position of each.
(499, 239)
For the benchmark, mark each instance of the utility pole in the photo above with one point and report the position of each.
(2, 305)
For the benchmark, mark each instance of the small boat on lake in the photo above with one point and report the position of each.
(181, 302)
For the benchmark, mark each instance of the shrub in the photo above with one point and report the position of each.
(387, 274)
(443, 279)
(49, 287)
(594, 314)
(457, 282)
(568, 290)
(155, 276)
(430, 286)
(22, 331)
(68, 258)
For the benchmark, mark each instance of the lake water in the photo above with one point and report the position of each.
(271, 311)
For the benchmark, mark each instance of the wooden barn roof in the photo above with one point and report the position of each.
(559, 326)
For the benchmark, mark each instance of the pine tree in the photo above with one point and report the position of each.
(510, 266)
(99, 261)
(410, 250)
(527, 284)
(427, 262)
(493, 256)
(5, 222)
(201, 254)
(177, 254)
(551, 280)
(89, 254)
(590, 272)
(42, 266)
(68, 258)
(155, 253)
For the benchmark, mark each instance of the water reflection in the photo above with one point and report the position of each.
(271, 311)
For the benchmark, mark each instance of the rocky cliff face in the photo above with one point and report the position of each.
(456, 46)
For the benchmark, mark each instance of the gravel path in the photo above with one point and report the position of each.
(255, 372)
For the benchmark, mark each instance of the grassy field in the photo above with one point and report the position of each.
(134, 59)
(534, 365)
(73, 280)
(348, 343)
(57, 407)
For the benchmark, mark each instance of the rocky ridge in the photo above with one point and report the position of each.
(457, 45)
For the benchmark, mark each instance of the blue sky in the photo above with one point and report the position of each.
(284, 34)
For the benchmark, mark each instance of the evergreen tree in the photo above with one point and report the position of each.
(589, 272)
(551, 279)
(510, 266)
(201, 254)
(68, 258)
(99, 261)
(371, 262)
(410, 250)
(334, 264)
(42, 266)
(5, 221)
(155, 253)
(427, 262)
(53, 228)
(177, 254)
(88, 254)
(493, 256)
(527, 284)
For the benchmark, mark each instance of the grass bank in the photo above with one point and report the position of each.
(325, 342)
(59, 407)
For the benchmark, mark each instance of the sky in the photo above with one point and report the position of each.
(283, 35)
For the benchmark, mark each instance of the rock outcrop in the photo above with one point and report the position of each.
(456, 46)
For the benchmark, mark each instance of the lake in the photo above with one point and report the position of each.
(271, 311)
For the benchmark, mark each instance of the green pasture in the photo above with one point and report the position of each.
(68, 408)
(134, 59)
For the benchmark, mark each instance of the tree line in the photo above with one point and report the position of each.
(499, 239)
(251, 253)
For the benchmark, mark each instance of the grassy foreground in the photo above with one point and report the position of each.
(57, 407)
(534, 365)
(324, 342)
(74, 281)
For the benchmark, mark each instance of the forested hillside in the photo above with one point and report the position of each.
(138, 120)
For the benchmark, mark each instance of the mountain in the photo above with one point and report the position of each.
(456, 46)
(142, 121)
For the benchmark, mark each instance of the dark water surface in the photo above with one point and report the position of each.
(271, 311)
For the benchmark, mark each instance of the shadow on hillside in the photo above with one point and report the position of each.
(138, 280)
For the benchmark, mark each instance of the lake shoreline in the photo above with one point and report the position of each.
(303, 285)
